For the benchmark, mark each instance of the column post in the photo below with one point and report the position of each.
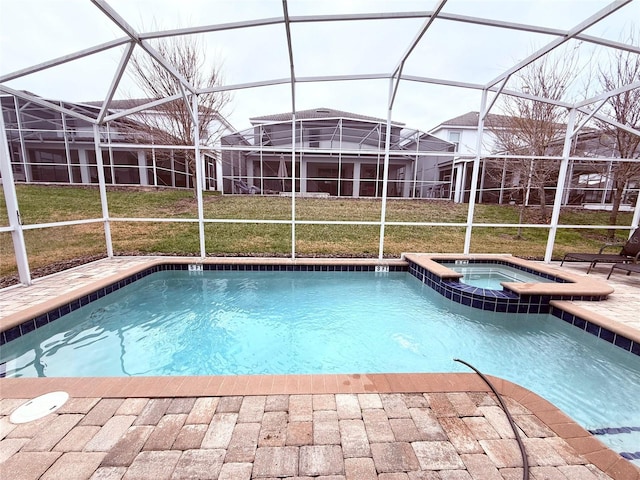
(85, 173)
(199, 173)
(142, 168)
(13, 211)
(474, 174)
(357, 171)
(562, 176)
(103, 191)
(385, 173)
(26, 164)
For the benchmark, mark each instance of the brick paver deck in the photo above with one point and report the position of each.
(344, 436)
(329, 427)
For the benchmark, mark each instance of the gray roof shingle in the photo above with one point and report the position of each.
(319, 113)
(470, 119)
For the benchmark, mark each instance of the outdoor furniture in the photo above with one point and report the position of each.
(242, 187)
(630, 252)
(628, 267)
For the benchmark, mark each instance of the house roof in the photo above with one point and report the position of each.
(121, 104)
(318, 113)
(126, 104)
(470, 119)
(33, 107)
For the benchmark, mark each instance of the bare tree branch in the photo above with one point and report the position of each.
(623, 69)
(172, 123)
(533, 129)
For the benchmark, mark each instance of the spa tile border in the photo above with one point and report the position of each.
(573, 287)
(506, 301)
(28, 325)
(583, 442)
(487, 299)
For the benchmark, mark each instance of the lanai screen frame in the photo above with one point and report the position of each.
(189, 95)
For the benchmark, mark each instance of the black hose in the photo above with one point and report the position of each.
(523, 452)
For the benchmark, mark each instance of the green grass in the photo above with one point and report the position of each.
(45, 204)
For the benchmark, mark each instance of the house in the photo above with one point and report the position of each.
(155, 125)
(462, 131)
(588, 181)
(337, 153)
(49, 146)
(592, 182)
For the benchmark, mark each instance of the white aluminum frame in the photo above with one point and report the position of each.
(133, 39)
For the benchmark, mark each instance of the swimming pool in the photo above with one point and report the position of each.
(236, 322)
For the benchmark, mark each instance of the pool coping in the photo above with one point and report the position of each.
(567, 311)
(30, 313)
(583, 442)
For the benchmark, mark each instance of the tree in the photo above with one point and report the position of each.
(171, 123)
(623, 69)
(533, 129)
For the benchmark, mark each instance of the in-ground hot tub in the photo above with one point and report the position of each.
(491, 275)
(532, 292)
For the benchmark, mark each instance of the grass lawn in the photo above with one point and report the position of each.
(64, 245)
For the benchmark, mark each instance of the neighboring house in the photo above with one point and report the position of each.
(591, 182)
(587, 182)
(462, 131)
(157, 128)
(47, 146)
(337, 154)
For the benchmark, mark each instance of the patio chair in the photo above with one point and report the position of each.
(628, 267)
(629, 253)
(242, 186)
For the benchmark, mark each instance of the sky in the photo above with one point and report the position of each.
(35, 31)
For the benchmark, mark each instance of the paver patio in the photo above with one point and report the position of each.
(252, 437)
(330, 427)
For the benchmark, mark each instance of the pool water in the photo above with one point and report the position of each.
(490, 276)
(226, 323)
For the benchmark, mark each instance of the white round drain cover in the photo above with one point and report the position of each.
(39, 407)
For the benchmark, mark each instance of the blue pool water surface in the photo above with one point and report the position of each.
(226, 323)
(490, 276)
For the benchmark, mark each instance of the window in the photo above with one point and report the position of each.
(49, 166)
(454, 137)
(314, 139)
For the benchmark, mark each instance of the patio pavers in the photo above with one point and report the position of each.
(168, 448)
(339, 427)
